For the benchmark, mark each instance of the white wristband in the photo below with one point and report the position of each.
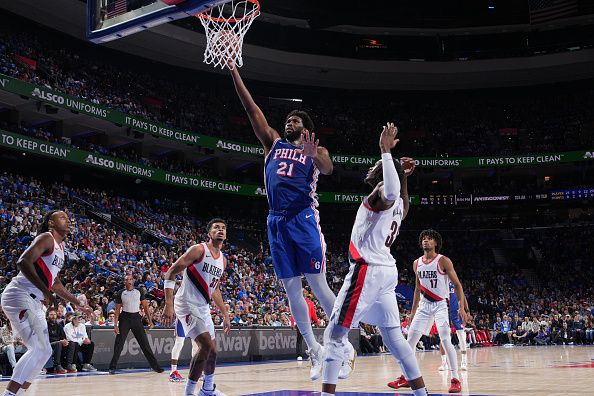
(169, 284)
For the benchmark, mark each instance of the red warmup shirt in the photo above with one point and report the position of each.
(311, 310)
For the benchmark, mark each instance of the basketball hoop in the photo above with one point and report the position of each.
(225, 26)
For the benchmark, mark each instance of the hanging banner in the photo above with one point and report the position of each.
(112, 164)
(62, 100)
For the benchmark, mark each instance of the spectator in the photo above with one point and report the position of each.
(589, 330)
(542, 338)
(76, 333)
(563, 336)
(365, 340)
(110, 318)
(520, 336)
(578, 329)
(506, 330)
(11, 345)
(376, 339)
(58, 341)
(470, 330)
(497, 334)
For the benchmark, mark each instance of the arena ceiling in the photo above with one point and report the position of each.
(415, 14)
(398, 69)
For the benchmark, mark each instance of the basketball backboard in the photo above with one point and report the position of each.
(113, 19)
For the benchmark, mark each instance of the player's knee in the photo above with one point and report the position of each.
(205, 344)
(206, 348)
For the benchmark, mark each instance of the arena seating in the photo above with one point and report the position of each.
(100, 252)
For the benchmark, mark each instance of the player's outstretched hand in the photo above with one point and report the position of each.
(48, 299)
(168, 315)
(226, 324)
(310, 144)
(408, 165)
(463, 314)
(388, 137)
(85, 309)
(231, 64)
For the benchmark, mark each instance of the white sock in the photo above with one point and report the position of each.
(8, 393)
(444, 358)
(190, 387)
(464, 357)
(420, 392)
(455, 374)
(208, 382)
(173, 367)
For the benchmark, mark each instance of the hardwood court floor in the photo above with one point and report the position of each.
(493, 371)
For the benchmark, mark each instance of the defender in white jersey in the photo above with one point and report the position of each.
(23, 298)
(368, 294)
(203, 266)
(434, 272)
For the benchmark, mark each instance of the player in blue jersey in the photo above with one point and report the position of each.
(459, 327)
(293, 163)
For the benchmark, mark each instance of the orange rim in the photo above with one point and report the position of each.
(252, 14)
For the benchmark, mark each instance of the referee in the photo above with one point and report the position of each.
(128, 301)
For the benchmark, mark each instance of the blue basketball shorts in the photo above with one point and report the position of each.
(296, 242)
(179, 329)
(454, 318)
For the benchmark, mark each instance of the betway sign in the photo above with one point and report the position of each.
(238, 345)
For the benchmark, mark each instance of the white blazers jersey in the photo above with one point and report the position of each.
(434, 283)
(374, 232)
(47, 268)
(201, 279)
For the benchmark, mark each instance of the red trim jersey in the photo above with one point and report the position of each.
(374, 232)
(47, 268)
(201, 279)
(434, 283)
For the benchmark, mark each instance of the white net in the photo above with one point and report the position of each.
(225, 27)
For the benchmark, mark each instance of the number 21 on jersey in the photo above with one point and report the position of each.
(282, 169)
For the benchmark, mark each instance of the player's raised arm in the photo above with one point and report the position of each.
(448, 268)
(388, 190)
(191, 255)
(265, 133)
(408, 166)
(391, 190)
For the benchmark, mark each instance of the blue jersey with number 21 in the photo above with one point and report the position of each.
(296, 241)
(290, 178)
